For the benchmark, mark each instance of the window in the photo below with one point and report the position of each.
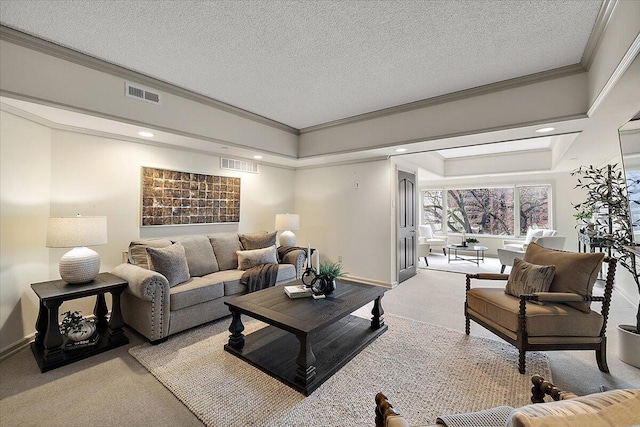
(498, 211)
(481, 211)
(432, 209)
(534, 207)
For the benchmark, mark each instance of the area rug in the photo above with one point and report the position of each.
(424, 370)
(440, 262)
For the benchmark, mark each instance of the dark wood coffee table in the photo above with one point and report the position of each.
(308, 340)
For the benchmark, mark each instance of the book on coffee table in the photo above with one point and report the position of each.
(298, 291)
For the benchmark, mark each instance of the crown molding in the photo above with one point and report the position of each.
(34, 43)
(454, 96)
(599, 28)
(623, 65)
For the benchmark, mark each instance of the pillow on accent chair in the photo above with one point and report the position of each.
(526, 278)
(252, 258)
(171, 262)
(531, 233)
(257, 240)
(575, 272)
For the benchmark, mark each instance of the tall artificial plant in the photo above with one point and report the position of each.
(607, 196)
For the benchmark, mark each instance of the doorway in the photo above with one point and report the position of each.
(406, 225)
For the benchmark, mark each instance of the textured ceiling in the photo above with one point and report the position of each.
(304, 63)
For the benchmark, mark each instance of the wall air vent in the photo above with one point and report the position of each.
(238, 165)
(141, 93)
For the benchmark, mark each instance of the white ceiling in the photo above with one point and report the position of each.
(304, 63)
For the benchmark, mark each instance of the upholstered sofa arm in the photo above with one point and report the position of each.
(143, 283)
(295, 257)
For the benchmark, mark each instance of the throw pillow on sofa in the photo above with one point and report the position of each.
(225, 246)
(257, 240)
(171, 262)
(200, 257)
(252, 258)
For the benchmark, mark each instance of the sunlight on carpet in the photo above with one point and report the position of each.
(440, 262)
(425, 370)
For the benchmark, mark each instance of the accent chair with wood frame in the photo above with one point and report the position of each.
(560, 319)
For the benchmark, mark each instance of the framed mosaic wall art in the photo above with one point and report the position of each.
(185, 198)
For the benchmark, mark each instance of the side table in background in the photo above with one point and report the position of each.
(48, 346)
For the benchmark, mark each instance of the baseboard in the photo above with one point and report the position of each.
(16, 347)
(366, 281)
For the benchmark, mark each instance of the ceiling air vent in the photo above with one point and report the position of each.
(238, 165)
(141, 93)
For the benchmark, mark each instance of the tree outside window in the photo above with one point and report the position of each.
(490, 211)
(481, 211)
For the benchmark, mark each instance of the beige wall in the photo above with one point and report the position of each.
(342, 221)
(52, 172)
(25, 190)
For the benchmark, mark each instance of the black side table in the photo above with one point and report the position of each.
(48, 346)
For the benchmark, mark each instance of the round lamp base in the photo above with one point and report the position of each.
(287, 238)
(79, 265)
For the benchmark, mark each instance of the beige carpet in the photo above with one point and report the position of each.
(425, 370)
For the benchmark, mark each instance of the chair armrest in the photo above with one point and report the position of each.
(488, 276)
(512, 242)
(557, 297)
(386, 416)
(143, 283)
(541, 387)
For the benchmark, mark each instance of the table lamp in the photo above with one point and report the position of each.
(80, 264)
(286, 223)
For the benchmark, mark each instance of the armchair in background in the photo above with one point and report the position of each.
(426, 235)
(507, 256)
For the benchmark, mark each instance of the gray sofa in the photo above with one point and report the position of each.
(178, 284)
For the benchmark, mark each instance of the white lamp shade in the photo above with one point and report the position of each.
(287, 222)
(78, 231)
(80, 264)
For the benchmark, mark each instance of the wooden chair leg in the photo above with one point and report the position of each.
(521, 361)
(467, 323)
(444, 251)
(601, 356)
(426, 261)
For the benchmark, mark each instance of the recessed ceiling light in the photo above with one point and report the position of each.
(400, 150)
(543, 130)
(257, 157)
(146, 134)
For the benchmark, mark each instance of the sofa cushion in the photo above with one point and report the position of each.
(542, 320)
(526, 278)
(138, 250)
(225, 246)
(171, 262)
(231, 278)
(609, 408)
(248, 259)
(257, 240)
(200, 256)
(195, 291)
(575, 272)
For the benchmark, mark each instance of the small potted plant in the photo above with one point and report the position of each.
(326, 277)
(472, 240)
(75, 327)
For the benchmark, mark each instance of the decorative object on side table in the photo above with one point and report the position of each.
(80, 264)
(325, 281)
(79, 331)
